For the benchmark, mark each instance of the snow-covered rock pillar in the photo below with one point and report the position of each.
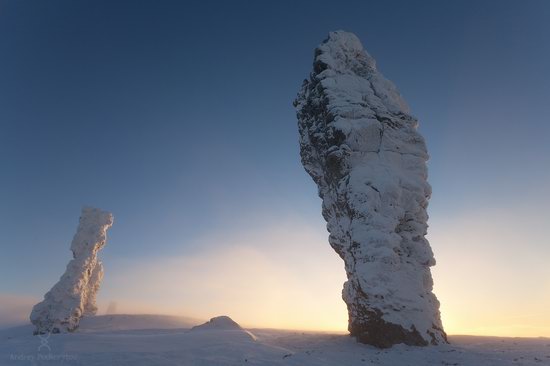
(75, 293)
(361, 146)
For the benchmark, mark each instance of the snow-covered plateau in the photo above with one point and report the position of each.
(166, 340)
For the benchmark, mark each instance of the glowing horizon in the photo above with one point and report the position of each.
(279, 284)
(268, 278)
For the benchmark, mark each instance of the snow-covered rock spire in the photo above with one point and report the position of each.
(75, 293)
(361, 147)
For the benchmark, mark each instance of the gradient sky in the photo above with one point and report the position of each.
(177, 118)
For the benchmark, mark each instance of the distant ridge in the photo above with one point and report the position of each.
(114, 322)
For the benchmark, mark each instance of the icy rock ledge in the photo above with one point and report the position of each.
(75, 293)
(361, 147)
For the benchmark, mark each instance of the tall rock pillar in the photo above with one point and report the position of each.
(75, 293)
(360, 144)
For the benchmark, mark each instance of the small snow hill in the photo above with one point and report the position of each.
(219, 323)
(223, 324)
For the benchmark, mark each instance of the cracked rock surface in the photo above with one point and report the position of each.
(361, 146)
(75, 293)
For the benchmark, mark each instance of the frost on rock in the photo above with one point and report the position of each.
(75, 293)
(361, 147)
(90, 307)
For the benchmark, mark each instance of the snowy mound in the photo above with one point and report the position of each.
(74, 295)
(219, 323)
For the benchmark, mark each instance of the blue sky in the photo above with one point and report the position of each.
(177, 118)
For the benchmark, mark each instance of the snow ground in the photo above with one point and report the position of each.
(118, 340)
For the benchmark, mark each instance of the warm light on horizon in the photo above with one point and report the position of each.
(269, 278)
(262, 278)
(487, 283)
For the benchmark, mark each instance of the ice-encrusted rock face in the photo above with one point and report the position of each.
(75, 293)
(361, 147)
(90, 307)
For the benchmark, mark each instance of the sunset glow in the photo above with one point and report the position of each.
(195, 129)
(265, 279)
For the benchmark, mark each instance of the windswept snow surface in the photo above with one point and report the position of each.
(94, 343)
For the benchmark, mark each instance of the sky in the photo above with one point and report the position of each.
(178, 118)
